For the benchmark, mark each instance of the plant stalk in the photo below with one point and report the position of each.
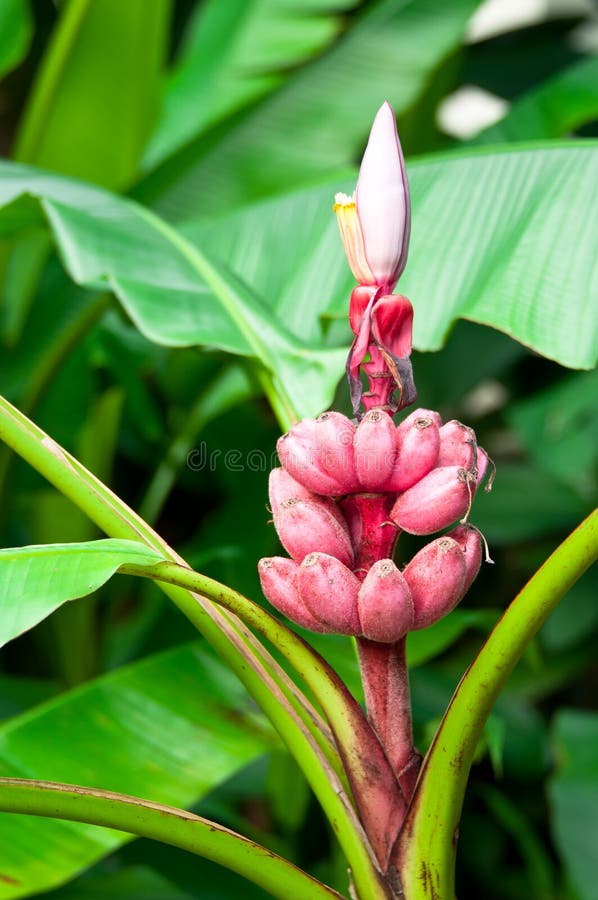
(166, 824)
(426, 849)
(386, 686)
(377, 794)
(221, 629)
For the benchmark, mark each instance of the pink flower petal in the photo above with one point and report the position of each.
(382, 199)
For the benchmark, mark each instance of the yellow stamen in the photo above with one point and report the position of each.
(352, 238)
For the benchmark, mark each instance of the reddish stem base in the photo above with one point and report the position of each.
(386, 685)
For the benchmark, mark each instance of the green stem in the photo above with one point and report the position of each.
(426, 849)
(375, 788)
(165, 824)
(74, 622)
(47, 80)
(310, 719)
(317, 674)
(117, 520)
(48, 364)
(282, 406)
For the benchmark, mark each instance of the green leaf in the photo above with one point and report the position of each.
(485, 228)
(573, 795)
(255, 243)
(56, 520)
(91, 111)
(430, 642)
(22, 269)
(504, 239)
(169, 728)
(472, 354)
(15, 33)
(171, 290)
(129, 357)
(575, 623)
(18, 693)
(59, 315)
(525, 754)
(505, 515)
(558, 106)
(89, 114)
(229, 388)
(131, 883)
(258, 42)
(34, 581)
(530, 846)
(559, 429)
(320, 119)
(288, 795)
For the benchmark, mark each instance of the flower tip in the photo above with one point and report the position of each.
(382, 200)
(384, 136)
(385, 117)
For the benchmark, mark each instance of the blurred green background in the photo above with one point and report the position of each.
(204, 111)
